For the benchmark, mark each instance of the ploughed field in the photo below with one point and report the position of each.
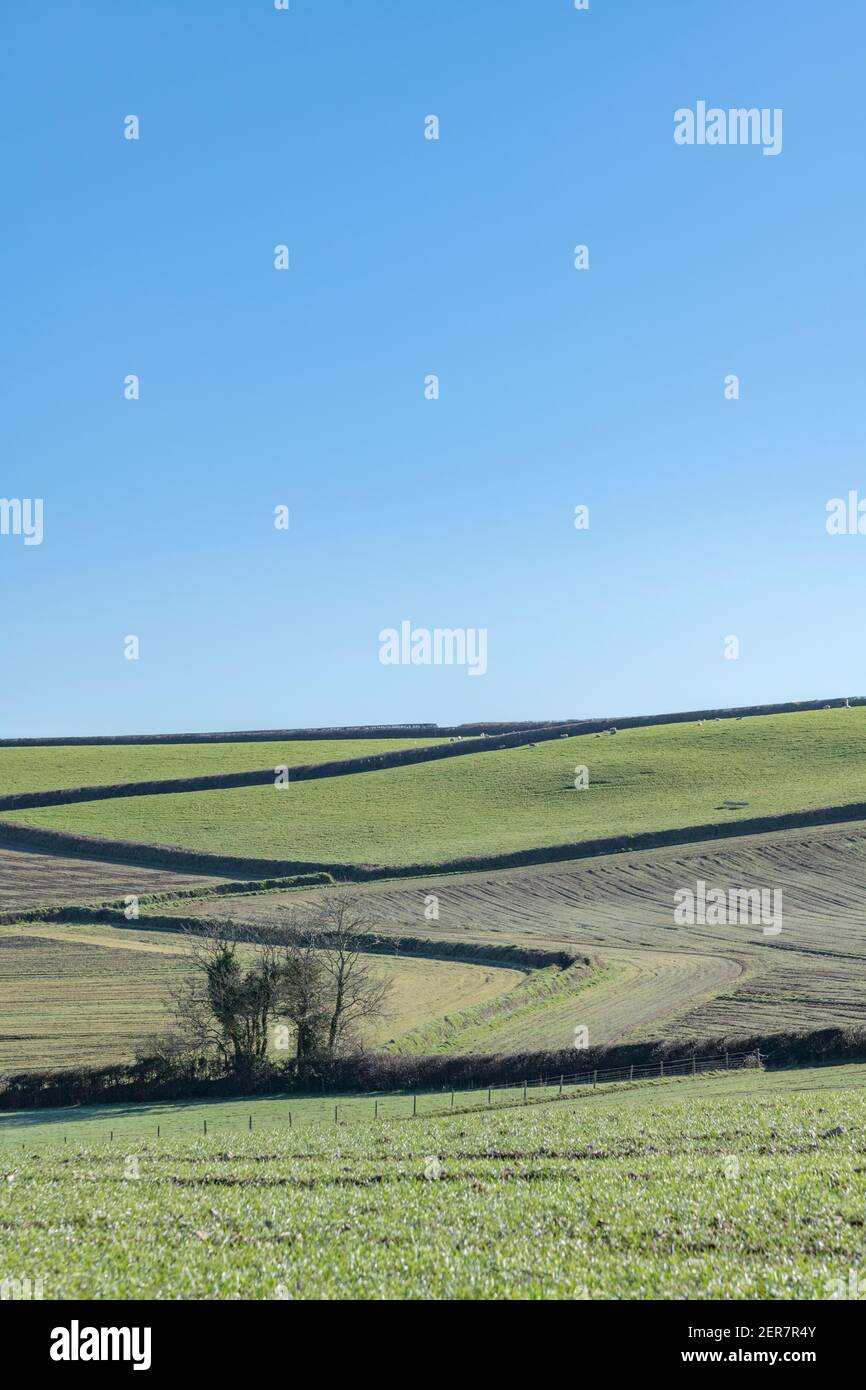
(95, 993)
(639, 780)
(661, 979)
(30, 879)
(743, 1186)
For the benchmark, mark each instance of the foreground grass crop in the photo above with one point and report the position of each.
(665, 1191)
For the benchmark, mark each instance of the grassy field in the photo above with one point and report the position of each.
(76, 995)
(739, 1187)
(48, 769)
(639, 780)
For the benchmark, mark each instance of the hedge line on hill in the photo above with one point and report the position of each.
(155, 1079)
(345, 731)
(374, 943)
(112, 909)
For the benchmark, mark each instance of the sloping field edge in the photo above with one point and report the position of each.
(14, 835)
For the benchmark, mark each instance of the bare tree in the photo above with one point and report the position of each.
(337, 930)
(304, 997)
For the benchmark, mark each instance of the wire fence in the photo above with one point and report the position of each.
(683, 1066)
(290, 1113)
(593, 1077)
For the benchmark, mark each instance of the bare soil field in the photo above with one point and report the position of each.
(31, 879)
(690, 980)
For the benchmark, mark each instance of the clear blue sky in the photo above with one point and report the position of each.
(409, 257)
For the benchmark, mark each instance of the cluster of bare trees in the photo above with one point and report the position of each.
(308, 986)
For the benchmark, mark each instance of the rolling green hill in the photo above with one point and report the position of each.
(640, 780)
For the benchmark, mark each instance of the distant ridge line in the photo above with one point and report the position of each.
(283, 735)
(542, 726)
